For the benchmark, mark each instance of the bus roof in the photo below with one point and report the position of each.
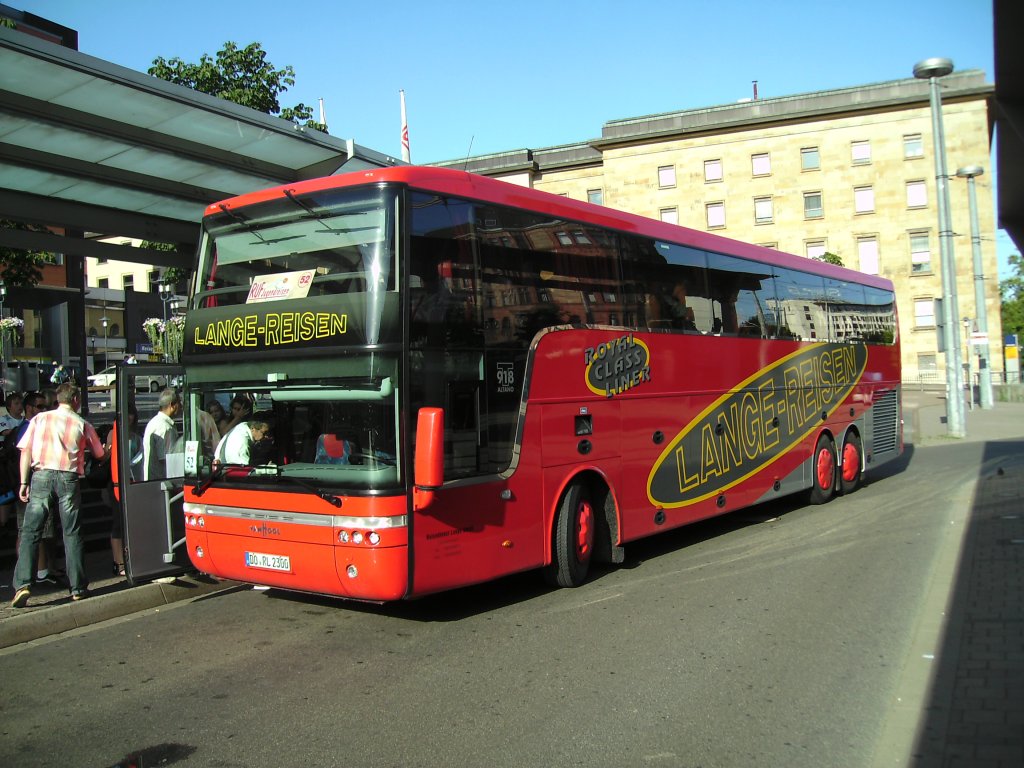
(472, 186)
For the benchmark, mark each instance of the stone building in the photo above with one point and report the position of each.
(848, 171)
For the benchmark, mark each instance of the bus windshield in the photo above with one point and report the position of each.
(338, 433)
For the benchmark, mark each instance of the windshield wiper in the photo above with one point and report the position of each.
(330, 498)
(214, 476)
(220, 469)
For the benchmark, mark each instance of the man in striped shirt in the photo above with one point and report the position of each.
(53, 454)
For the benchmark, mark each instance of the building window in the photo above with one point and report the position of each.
(867, 253)
(712, 170)
(154, 281)
(763, 210)
(810, 160)
(595, 196)
(670, 215)
(814, 249)
(128, 281)
(924, 313)
(715, 215)
(920, 253)
(926, 366)
(864, 199)
(666, 176)
(917, 194)
(912, 146)
(761, 164)
(860, 152)
(812, 205)
(103, 282)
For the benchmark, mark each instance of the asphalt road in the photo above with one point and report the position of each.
(783, 636)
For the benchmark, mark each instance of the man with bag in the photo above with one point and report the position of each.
(53, 453)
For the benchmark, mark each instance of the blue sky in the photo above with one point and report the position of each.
(485, 77)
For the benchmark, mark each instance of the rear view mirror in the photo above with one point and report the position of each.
(429, 462)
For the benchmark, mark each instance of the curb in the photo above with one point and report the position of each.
(67, 616)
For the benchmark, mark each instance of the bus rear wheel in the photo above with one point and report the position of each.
(850, 476)
(573, 540)
(823, 471)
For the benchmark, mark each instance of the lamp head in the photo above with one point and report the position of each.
(969, 171)
(929, 68)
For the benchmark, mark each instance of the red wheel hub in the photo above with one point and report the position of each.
(851, 462)
(584, 530)
(826, 468)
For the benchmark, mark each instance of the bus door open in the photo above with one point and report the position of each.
(152, 518)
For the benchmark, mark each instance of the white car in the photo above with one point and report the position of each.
(106, 379)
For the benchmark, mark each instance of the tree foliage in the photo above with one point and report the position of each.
(18, 268)
(1011, 290)
(830, 258)
(240, 75)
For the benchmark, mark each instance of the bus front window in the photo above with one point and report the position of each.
(339, 435)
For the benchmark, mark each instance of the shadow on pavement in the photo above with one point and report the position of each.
(975, 708)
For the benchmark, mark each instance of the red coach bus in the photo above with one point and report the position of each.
(461, 379)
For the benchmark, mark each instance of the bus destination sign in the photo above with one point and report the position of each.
(269, 330)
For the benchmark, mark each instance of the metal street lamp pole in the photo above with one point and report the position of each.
(103, 321)
(166, 296)
(967, 365)
(3, 342)
(984, 352)
(931, 70)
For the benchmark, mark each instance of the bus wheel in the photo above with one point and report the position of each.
(823, 471)
(573, 542)
(850, 475)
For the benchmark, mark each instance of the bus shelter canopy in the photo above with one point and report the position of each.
(89, 146)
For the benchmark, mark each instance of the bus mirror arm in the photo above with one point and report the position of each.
(429, 462)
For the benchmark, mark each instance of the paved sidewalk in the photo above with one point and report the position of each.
(50, 610)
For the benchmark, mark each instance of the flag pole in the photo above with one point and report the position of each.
(405, 131)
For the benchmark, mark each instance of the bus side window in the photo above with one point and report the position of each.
(746, 292)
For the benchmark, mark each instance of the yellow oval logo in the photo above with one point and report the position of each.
(617, 365)
(755, 423)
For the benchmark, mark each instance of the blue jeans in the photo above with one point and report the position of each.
(50, 487)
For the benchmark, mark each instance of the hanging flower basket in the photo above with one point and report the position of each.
(10, 331)
(154, 328)
(175, 337)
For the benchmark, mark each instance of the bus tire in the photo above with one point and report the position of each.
(851, 475)
(823, 470)
(573, 540)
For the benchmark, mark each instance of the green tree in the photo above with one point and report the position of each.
(830, 258)
(22, 269)
(1011, 290)
(241, 75)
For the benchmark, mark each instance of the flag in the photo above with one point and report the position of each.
(405, 131)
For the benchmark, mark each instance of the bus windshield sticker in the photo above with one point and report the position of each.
(617, 365)
(284, 285)
(755, 423)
